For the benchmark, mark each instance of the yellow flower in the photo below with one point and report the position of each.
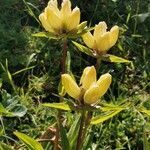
(101, 40)
(92, 88)
(62, 20)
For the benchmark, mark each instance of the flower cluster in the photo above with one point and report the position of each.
(101, 40)
(59, 21)
(90, 89)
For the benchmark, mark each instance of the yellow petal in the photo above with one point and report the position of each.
(114, 32)
(44, 22)
(104, 83)
(54, 5)
(74, 19)
(103, 43)
(99, 30)
(70, 86)
(88, 39)
(53, 18)
(88, 77)
(65, 10)
(92, 95)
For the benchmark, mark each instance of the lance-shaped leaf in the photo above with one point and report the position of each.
(62, 106)
(28, 141)
(145, 111)
(45, 34)
(115, 59)
(83, 49)
(100, 118)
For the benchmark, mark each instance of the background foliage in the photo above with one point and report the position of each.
(37, 60)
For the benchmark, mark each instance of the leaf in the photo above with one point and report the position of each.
(64, 140)
(10, 106)
(100, 118)
(4, 111)
(83, 49)
(62, 106)
(146, 144)
(19, 110)
(45, 34)
(4, 146)
(40, 34)
(113, 58)
(22, 70)
(28, 141)
(73, 132)
(145, 111)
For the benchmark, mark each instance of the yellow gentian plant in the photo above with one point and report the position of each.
(101, 40)
(61, 21)
(90, 89)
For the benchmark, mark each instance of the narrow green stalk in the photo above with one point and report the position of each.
(98, 62)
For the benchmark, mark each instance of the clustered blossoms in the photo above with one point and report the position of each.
(62, 20)
(90, 89)
(101, 40)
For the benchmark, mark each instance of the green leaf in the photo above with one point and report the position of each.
(4, 146)
(28, 141)
(64, 140)
(22, 70)
(145, 111)
(115, 59)
(100, 118)
(46, 34)
(4, 111)
(62, 106)
(146, 144)
(83, 49)
(73, 132)
(82, 25)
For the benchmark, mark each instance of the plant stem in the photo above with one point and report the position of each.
(63, 70)
(97, 65)
(64, 56)
(80, 135)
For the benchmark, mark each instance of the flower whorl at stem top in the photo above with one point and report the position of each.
(62, 20)
(101, 40)
(92, 88)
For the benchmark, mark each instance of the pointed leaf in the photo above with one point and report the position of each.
(62, 106)
(28, 141)
(45, 34)
(64, 139)
(145, 111)
(100, 118)
(83, 49)
(73, 132)
(115, 59)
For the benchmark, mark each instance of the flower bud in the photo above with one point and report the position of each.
(70, 86)
(104, 83)
(88, 77)
(92, 95)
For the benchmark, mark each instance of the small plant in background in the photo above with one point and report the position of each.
(73, 119)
